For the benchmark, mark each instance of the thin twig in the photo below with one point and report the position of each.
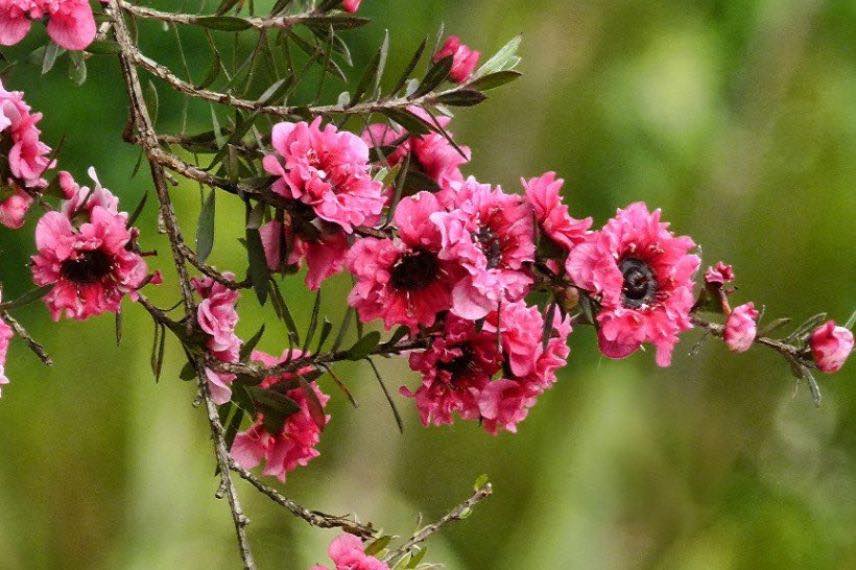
(148, 141)
(34, 345)
(458, 513)
(718, 330)
(314, 518)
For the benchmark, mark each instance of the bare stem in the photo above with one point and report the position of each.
(460, 512)
(148, 140)
(34, 345)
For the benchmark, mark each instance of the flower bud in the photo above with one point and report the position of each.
(741, 328)
(830, 346)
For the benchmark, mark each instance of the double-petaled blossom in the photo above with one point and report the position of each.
(404, 280)
(218, 318)
(326, 169)
(719, 274)
(741, 328)
(431, 154)
(464, 59)
(6, 334)
(295, 443)
(642, 275)
(544, 197)
(89, 261)
(26, 157)
(70, 23)
(456, 366)
(831, 345)
(348, 553)
(491, 234)
(320, 244)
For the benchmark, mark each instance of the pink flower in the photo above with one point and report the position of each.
(90, 267)
(321, 244)
(464, 59)
(327, 170)
(503, 404)
(348, 553)
(490, 233)
(6, 335)
(71, 24)
(294, 445)
(830, 346)
(27, 156)
(719, 274)
(456, 366)
(741, 328)
(552, 216)
(80, 200)
(432, 154)
(218, 318)
(404, 280)
(14, 209)
(351, 5)
(642, 275)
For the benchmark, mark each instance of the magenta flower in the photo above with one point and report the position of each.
(456, 366)
(327, 170)
(70, 23)
(218, 318)
(432, 154)
(295, 444)
(741, 327)
(543, 195)
(351, 5)
(404, 281)
(28, 157)
(490, 233)
(464, 59)
(322, 245)
(642, 275)
(91, 267)
(719, 274)
(80, 200)
(348, 553)
(6, 335)
(831, 345)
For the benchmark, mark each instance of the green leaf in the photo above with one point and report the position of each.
(258, 273)
(316, 409)
(224, 23)
(773, 325)
(462, 98)
(414, 61)
(213, 72)
(414, 125)
(376, 546)
(248, 347)
(49, 57)
(437, 73)
(205, 228)
(27, 298)
(418, 555)
(326, 329)
(343, 329)
(386, 393)
(373, 73)
(337, 22)
(481, 481)
(188, 372)
(152, 101)
(494, 80)
(313, 321)
(138, 210)
(364, 346)
(118, 328)
(506, 58)
(158, 347)
(233, 427)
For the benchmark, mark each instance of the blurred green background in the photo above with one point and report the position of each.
(738, 118)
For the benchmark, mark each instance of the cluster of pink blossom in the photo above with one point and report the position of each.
(217, 317)
(70, 23)
(293, 444)
(87, 253)
(348, 553)
(27, 158)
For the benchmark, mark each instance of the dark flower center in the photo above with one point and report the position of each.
(458, 366)
(90, 267)
(490, 245)
(640, 284)
(415, 271)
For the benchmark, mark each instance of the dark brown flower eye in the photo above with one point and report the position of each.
(640, 284)
(90, 267)
(415, 271)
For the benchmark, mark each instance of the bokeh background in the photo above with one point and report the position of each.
(737, 117)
